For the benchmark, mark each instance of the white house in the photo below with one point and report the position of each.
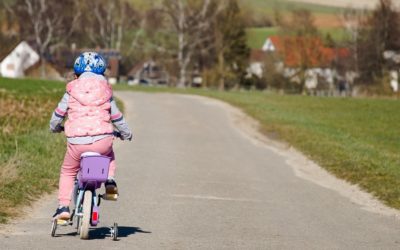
(19, 60)
(290, 52)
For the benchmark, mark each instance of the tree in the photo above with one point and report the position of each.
(381, 33)
(109, 21)
(301, 47)
(230, 43)
(353, 21)
(41, 22)
(191, 20)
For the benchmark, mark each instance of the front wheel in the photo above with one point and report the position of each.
(87, 210)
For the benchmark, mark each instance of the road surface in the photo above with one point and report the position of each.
(193, 179)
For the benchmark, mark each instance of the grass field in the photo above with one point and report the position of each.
(256, 36)
(268, 6)
(355, 139)
(30, 155)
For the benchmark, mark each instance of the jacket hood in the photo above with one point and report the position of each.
(90, 91)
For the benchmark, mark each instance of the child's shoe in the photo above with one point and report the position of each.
(62, 213)
(111, 190)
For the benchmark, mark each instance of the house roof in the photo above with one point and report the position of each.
(310, 51)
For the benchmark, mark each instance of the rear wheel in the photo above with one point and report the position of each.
(87, 210)
(78, 224)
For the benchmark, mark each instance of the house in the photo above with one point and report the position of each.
(148, 72)
(18, 61)
(257, 60)
(297, 55)
(298, 51)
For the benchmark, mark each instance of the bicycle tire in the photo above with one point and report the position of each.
(87, 210)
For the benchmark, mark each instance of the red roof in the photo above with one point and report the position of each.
(309, 51)
(257, 55)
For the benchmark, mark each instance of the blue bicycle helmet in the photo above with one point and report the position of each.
(90, 62)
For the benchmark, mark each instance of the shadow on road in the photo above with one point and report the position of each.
(103, 232)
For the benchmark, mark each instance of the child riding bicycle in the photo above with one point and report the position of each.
(91, 114)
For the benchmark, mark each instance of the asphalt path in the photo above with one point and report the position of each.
(192, 179)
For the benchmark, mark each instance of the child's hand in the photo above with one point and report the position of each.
(122, 137)
(58, 129)
(129, 137)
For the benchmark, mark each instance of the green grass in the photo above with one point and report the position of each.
(337, 34)
(355, 139)
(30, 155)
(257, 36)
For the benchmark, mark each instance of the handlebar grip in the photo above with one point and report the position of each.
(117, 134)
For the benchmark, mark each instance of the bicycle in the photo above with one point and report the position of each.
(92, 174)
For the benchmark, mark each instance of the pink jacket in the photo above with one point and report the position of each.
(89, 108)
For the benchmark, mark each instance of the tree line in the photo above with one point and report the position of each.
(183, 35)
(202, 37)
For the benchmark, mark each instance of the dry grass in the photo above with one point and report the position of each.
(327, 21)
(29, 155)
(18, 115)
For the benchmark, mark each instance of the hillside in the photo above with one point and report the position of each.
(369, 4)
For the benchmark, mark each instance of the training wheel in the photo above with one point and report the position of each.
(114, 232)
(53, 228)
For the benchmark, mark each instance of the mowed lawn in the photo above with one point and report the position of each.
(355, 139)
(30, 155)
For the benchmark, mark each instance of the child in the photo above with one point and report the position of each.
(92, 112)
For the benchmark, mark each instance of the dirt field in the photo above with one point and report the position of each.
(346, 3)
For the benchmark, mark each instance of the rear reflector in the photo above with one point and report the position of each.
(95, 216)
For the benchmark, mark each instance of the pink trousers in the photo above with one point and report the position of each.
(71, 165)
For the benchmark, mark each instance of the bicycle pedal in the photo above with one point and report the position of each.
(110, 197)
(62, 222)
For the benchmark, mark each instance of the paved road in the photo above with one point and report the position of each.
(192, 180)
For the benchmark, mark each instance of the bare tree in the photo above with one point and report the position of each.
(41, 22)
(109, 22)
(354, 20)
(191, 20)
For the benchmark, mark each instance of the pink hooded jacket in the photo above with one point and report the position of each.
(89, 108)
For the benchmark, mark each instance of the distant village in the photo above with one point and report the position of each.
(24, 61)
(321, 78)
